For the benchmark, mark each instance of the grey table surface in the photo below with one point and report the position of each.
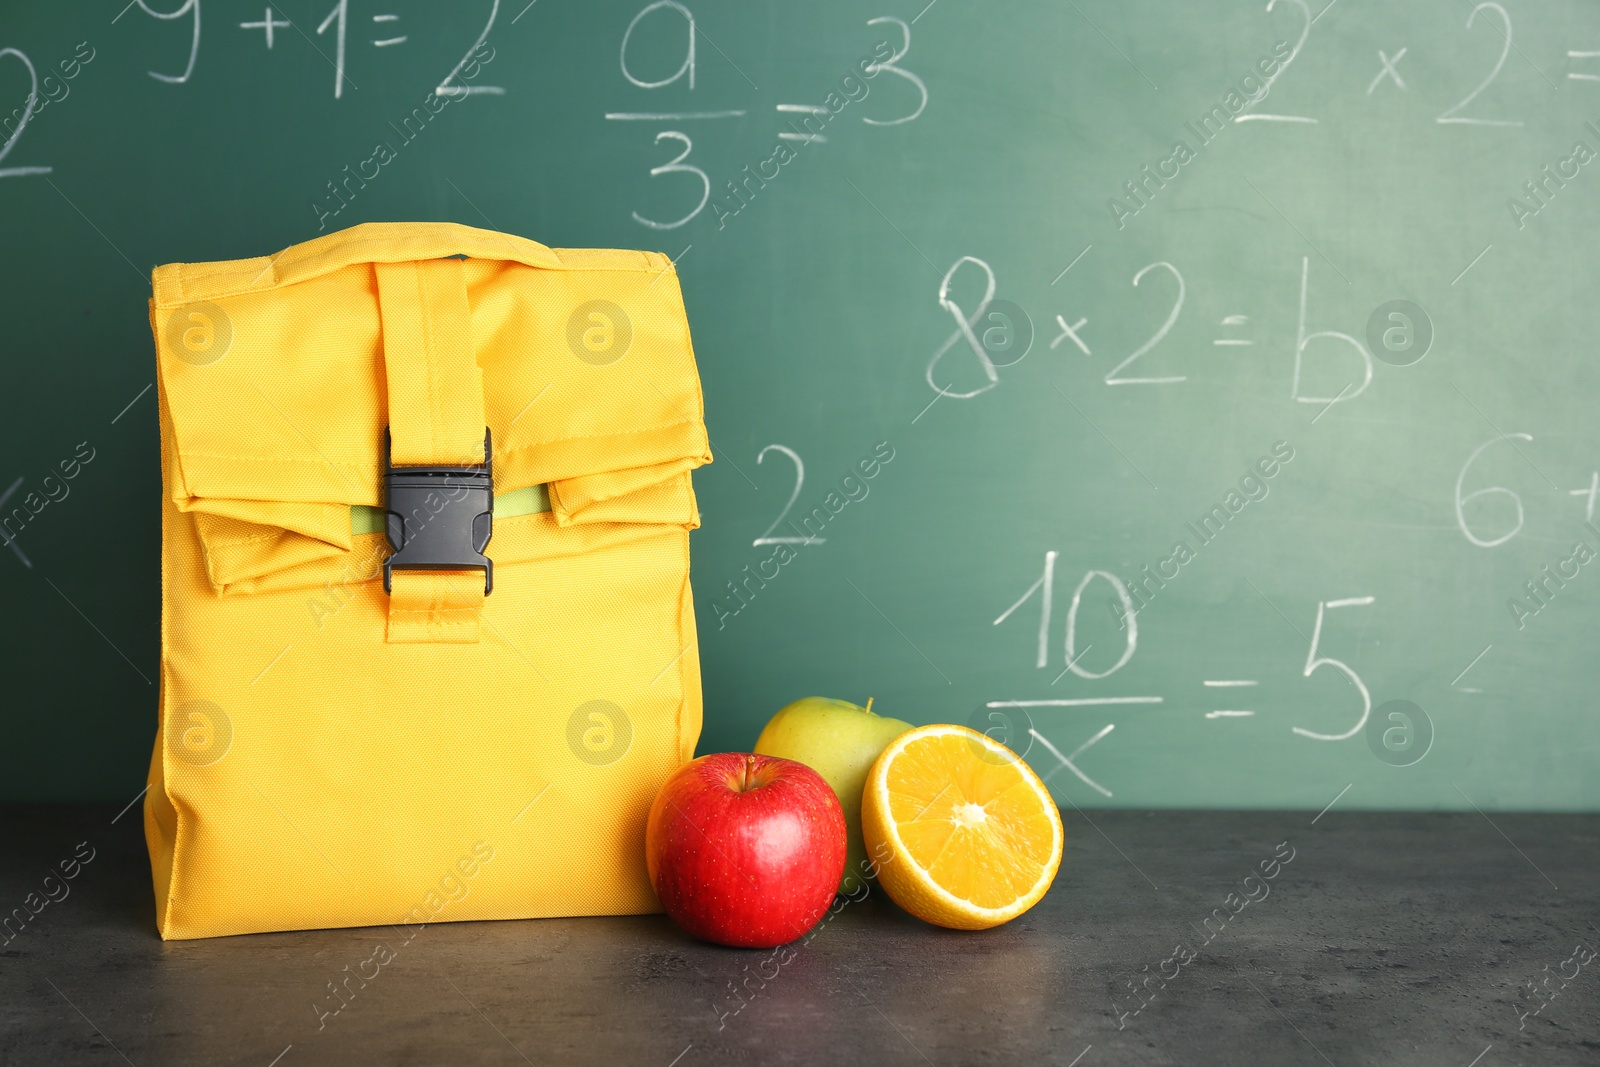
(1385, 939)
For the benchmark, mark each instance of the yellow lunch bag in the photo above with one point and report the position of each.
(427, 640)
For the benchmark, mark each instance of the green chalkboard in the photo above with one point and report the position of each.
(1207, 388)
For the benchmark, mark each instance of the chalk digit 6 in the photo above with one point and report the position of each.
(1303, 340)
(1462, 501)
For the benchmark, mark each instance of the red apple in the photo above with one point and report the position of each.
(745, 850)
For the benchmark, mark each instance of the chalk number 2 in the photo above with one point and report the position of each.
(27, 113)
(799, 480)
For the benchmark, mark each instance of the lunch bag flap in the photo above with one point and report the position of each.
(274, 379)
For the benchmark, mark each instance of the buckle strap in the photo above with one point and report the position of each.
(435, 388)
(438, 481)
(435, 607)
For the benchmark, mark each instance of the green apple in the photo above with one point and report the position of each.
(839, 740)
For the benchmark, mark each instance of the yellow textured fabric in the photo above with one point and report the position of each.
(309, 771)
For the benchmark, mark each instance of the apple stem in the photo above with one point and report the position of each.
(749, 772)
(869, 704)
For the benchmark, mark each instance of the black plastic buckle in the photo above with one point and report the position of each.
(438, 518)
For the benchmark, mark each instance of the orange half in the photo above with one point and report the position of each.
(964, 834)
